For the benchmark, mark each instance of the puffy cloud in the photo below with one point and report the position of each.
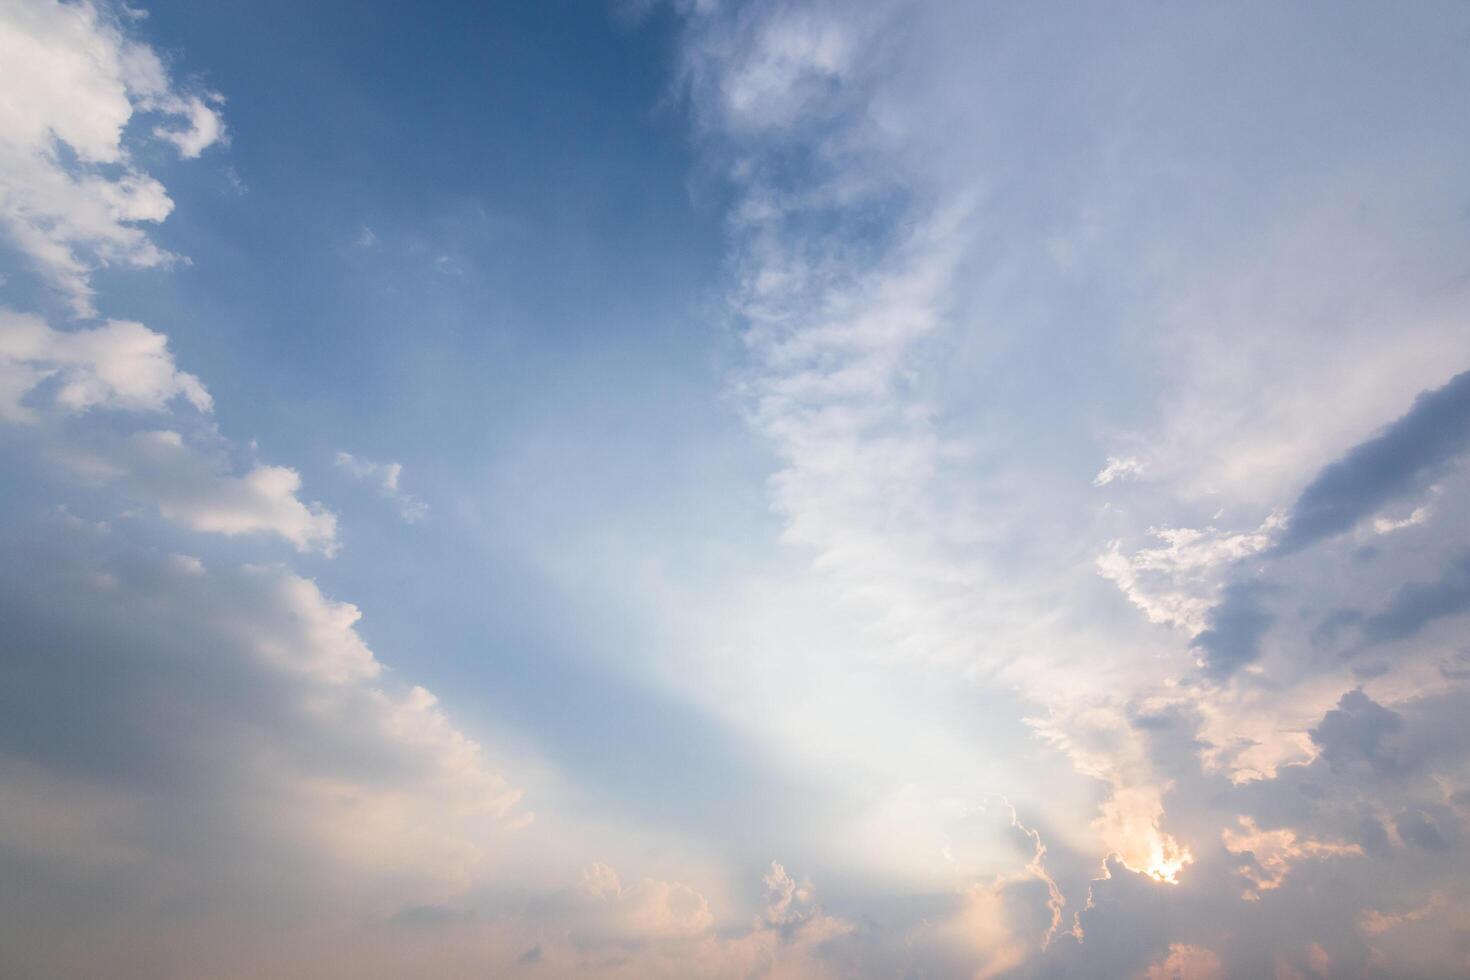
(649, 910)
(197, 489)
(223, 739)
(1266, 857)
(1354, 734)
(203, 126)
(1129, 826)
(1187, 962)
(50, 374)
(70, 194)
(1179, 582)
(119, 365)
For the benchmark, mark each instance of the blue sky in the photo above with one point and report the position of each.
(772, 489)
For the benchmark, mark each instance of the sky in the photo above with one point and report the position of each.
(684, 488)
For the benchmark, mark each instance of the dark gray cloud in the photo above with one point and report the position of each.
(1430, 827)
(1418, 604)
(1353, 734)
(1400, 459)
(1237, 624)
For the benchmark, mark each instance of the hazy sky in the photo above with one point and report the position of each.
(799, 489)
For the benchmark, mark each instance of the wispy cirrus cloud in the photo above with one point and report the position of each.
(386, 476)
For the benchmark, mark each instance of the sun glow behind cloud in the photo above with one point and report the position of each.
(1045, 556)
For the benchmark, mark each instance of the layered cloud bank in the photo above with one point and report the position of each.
(1112, 369)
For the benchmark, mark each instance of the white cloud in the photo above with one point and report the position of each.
(1388, 525)
(203, 128)
(387, 477)
(119, 365)
(75, 81)
(1179, 582)
(197, 489)
(1269, 855)
(789, 61)
(123, 366)
(1118, 468)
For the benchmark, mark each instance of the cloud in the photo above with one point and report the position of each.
(1118, 468)
(916, 362)
(958, 274)
(73, 197)
(1353, 734)
(648, 910)
(1266, 857)
(1235, 628)
(1179, 582)
(1416, 517)
(1373, 922)
(197, 489)
(120, 365)
(236, 742)
(1187, 962)
(1434, 431)
(1414, 605)
(203, 125)
(777, 69)
(387, 476)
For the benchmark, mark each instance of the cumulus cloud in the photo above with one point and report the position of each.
(651, 909)
(72, 195)
(234, 739)
(202, 128)
(1179, 582)
(1353, 733)
(1266, 857)
(122, 366)
(198, 490)
(119, 365)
